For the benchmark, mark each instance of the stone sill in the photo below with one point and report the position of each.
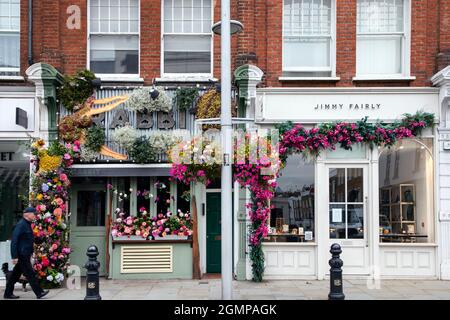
(12, 78)
(384, 78)
(331, 79)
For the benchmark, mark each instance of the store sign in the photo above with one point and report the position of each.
(17, 114)
(312, 105)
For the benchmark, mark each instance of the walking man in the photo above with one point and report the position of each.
(21, 252)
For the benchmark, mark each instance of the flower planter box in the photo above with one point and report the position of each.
(171, 237)
(133, 237)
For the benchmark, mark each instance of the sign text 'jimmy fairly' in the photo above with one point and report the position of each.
(349, 106)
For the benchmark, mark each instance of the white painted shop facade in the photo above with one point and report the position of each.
(389, 209)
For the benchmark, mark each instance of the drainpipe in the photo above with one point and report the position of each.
(30, 32)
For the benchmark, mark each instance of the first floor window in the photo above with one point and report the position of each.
(292, 216)
(187, 36)
(114, 36)
(407, 192)
(307, 37)
(381, 37)
(9, 37)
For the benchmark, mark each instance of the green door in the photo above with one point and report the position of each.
(213, 236)
(88, 207)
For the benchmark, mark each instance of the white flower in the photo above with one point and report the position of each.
(140, 100)
(125, 136)
(50, 278)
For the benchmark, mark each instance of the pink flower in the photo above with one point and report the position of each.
(67, 156)
(63, 177)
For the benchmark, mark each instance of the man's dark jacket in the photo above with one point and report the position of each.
(22, 240)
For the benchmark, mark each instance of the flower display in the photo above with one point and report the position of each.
(49, 195)
(125, 136)
(141, 100)
(260, 176)
(147, 226)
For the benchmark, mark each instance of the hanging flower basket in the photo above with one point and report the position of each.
(140, 100)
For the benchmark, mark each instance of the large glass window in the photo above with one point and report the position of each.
(380, 43)
(9, 37)
(406, 192)
(187, 36)
(307, 37)
(114, 36)
(292, 216)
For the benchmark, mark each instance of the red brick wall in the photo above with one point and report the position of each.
(260, 43)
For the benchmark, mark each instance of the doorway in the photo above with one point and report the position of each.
(88, 207)
(347, 201)
(213, 232)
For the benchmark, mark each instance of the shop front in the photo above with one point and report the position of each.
(378, 203)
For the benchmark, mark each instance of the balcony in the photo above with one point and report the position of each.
(145, 124)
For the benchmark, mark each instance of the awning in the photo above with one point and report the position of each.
(121, 170)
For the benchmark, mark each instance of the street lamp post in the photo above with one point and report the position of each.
(224, 29)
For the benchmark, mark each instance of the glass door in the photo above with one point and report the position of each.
(347, 211)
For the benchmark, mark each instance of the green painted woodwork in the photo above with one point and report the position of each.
(182, 262)
(92, 231)
(213, 232)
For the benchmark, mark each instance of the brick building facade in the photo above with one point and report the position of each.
(260, 43)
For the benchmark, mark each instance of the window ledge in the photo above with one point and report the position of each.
(332, 79)
(118, 78)
(12, 78)
(384, 78)
(186, 79)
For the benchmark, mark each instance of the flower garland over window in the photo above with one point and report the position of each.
(49, 195)
(294, 138)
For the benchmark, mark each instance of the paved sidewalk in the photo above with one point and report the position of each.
(267, 290)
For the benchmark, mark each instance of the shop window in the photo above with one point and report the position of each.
(183, 197)
(187, 37)
(114, 36)
(91, 208)
(292, 216)
(381, 41)
(407, 192)
(308, 38)
(163, 195)
(9, 37)
(144, 195)
(123, 195)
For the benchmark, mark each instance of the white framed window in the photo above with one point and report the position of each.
(187, 37)
(382, 38)
(309, 38)
(9, 37)
(114, 37)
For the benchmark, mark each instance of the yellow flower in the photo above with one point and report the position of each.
(48, 163)
(40, 196)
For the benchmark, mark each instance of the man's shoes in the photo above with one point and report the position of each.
(11, 297)
(43, 294)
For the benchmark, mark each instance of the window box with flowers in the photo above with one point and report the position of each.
(152, 227)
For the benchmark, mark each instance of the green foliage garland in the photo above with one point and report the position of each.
(186, 98)
(142, 151)
(95, 138)
(76, 89)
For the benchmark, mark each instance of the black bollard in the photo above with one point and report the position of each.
(336, 288)
(92, 275)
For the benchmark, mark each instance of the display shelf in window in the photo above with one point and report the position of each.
(398, 213)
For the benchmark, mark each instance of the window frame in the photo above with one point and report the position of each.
(332, 53)
(11, 31)
(405, 59)
(114, 76)
(187, 76)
